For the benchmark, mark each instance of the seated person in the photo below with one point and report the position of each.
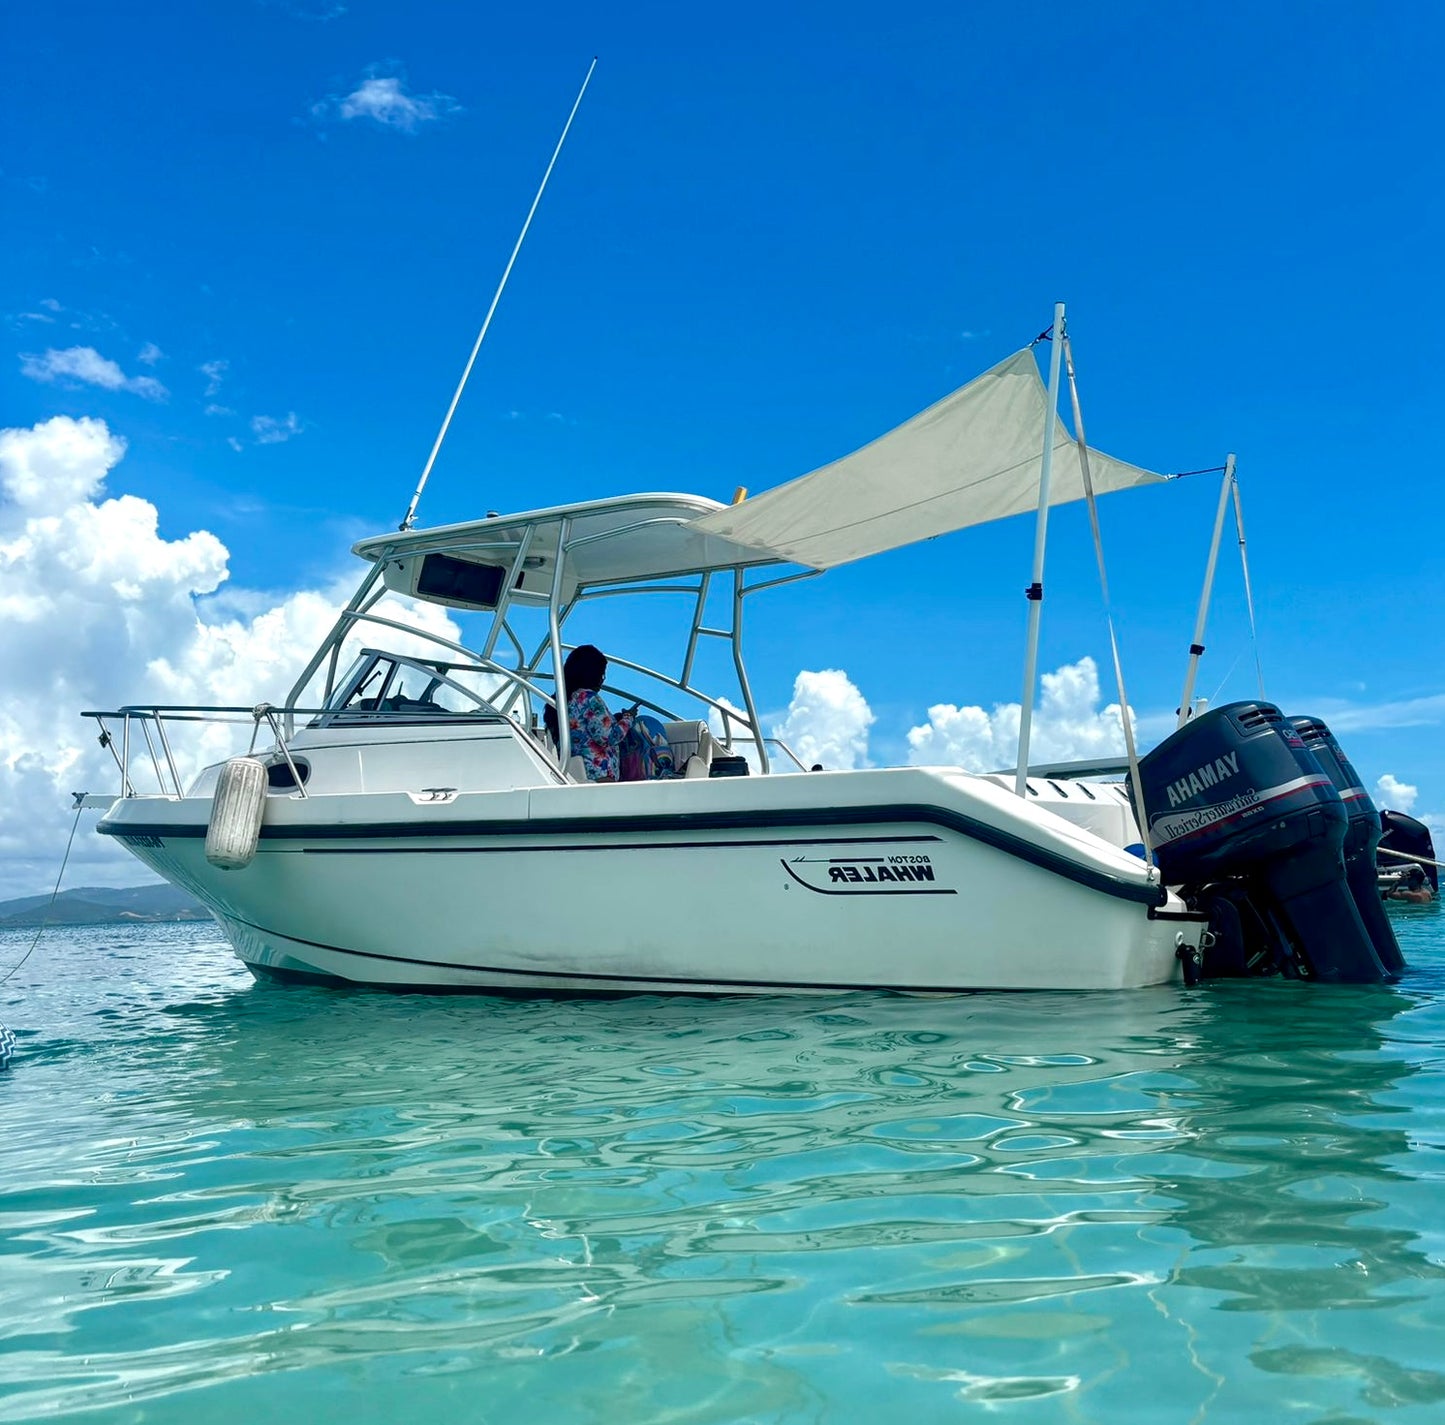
(593, 733)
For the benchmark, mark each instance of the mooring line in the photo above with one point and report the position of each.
(45, 919)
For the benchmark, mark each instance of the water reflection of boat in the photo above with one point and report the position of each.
(1224, 1195)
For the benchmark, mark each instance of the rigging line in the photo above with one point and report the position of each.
(45, 919)
(1208, 470)
(406, 524)
(1228, 675)
(1129, 747)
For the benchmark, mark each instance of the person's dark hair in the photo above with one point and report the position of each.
(585, 667)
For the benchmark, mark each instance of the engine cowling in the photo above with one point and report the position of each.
(1235, 796)
(1362, 838)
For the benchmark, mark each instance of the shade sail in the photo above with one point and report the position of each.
(971, 458)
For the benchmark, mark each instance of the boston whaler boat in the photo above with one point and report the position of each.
(407, 822)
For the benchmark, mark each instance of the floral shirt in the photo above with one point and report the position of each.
(596, 736)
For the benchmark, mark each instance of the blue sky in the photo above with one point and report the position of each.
(775, 232)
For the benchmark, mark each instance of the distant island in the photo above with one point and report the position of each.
(103, 905)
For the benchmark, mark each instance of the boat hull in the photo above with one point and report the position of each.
(914, 885)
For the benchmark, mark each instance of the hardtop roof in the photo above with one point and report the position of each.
(625, 539)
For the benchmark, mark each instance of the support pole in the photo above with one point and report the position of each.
(1035, 591)
(554, 634)
(1248, 591)
(1196, 648)
(743, 685)
(1130, 750)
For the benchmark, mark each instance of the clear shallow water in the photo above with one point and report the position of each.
(220, 1199)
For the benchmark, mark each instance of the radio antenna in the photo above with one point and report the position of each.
(407, 523)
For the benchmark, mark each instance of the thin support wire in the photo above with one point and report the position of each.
(1129, 747)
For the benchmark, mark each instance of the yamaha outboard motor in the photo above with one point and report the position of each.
(1404, 834)
(1362, 836)
(1234, 797)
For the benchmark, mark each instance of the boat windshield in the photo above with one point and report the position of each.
(395, 686)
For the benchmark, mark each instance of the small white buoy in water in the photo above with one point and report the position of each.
(236, 812)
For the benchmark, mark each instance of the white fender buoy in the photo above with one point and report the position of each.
(236, 812)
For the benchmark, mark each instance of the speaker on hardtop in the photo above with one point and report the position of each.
(1234, 797)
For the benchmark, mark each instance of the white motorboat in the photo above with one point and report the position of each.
(408, 823)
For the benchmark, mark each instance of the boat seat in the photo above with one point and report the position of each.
(690, 741)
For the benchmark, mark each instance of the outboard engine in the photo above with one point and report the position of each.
(1242, 814)
(1362, 836)
(1404, 834)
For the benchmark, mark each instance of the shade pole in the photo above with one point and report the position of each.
(1196, 648)
(1248, 591)
(1035, 590)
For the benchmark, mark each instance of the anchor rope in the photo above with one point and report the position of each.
(45, 919)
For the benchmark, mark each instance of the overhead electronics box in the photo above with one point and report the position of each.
(446, 579)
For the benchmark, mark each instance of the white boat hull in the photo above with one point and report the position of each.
(902, 879)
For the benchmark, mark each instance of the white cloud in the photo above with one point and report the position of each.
(382, 99)
(214, 372)
(97, 609)
(1394, 794)
(1068, 725)
(268, 430)
(84, 365)
(827, 721)
(149, 354)
(213, 409)
(1405, 712)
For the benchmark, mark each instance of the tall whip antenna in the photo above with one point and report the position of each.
(407, 523)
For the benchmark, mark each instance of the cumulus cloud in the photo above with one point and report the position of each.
(149, 354)
(1396, 795)
(84, 365)
(1068, 725)
(383, 100)
(827, 721)
(268, 430)
(97, 608)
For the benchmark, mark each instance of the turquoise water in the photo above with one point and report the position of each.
(221, 1200)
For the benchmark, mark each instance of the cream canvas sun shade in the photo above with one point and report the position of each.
(971, 458)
